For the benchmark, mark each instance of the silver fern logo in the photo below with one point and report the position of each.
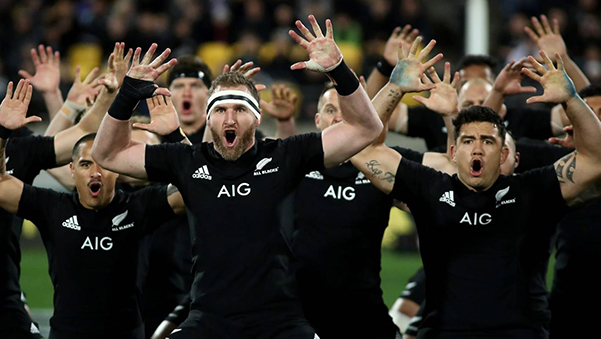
(118, 219)
(501, 193)
(262, 163)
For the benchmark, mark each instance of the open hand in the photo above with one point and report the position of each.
(557, 85)
(150, 70)
(408, 71)
(443, 97)
(568, 141)
(163, 116)
(406, 37)
(283, 103)
(13, 110)
(324, 54)
(546, 38)
(117, 67)
(509, 79)
(82, 92)
(47, 69)
(247, 70)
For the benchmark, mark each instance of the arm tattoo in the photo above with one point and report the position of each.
(377, 173)
(393, 98)
(3, 143)
(565, 167)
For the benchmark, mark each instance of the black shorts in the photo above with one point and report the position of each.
(137, 333)
(207, 326)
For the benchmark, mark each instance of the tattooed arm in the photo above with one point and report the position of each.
(176, 201)
(579, 170)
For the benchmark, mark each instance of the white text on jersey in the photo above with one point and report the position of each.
(347, 193)
(96, 244)
(242, 189)
(482, 219)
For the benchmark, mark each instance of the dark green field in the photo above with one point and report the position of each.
(396, 270)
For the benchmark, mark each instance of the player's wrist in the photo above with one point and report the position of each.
(384, 67)
(131, 92)
(345, 80)
(176, 136)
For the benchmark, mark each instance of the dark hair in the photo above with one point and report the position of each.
(478, 60)
(590, 91)
(190, 66)
(479, 114)
(234, 79)
(81, 141)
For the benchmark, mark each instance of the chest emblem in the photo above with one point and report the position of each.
(202, 173)
(117, 221)
(448, 197)
(261, 164)
(314, 175)
(500, 195)
(72, 223)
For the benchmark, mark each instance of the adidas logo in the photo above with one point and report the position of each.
(202, 173)
(448, 197)
(72, 223)
(314, 175)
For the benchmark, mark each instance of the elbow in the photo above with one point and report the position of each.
(99, 156)
(375, 129)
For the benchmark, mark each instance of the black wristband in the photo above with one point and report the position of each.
(5, 132)
(346, 81)
(384, 67)
(175, 136)
(130, 93)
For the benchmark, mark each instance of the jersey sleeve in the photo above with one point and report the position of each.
(37, 205)
(413, 181)
(163, 162)
(410, 154)
(536, 153)
(31, 155)
(158, 210)
(304, 152)
(544, 192)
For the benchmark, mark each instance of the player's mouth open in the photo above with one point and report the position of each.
(186, 107)
(95, 188)
(476, 167)
(230, 138)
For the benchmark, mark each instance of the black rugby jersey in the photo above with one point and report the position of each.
(93, 256)
(472, 245)
(25, 157)
(240, 255)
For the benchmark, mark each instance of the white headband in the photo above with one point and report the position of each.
(233, 97)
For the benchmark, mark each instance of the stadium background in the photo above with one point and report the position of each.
(220, 31)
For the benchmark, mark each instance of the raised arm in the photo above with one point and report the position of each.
(113, 148)
(508, 82)
(549, 40)
(47, 77)
(361, 124)
(282, 107)
(378, 162)
(577, 171)
(80, 95)
(64, 141)
(13, 115)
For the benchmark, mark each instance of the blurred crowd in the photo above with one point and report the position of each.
(221, 31)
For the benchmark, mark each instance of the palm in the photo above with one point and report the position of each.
(407, 75)
(143, 72)
(554, 84)
(552, 44)
(12, 115)
(443, 99)
(324, 51)
(46, 78)
(280, 109)
(163, 120)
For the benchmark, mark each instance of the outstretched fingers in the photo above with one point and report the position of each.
(301, 27)
(315, 26)
(299, 40)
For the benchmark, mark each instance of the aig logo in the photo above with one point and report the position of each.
(477, 219)
(242, 189)
(347, 193)
(96, 244)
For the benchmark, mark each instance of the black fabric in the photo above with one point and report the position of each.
(345, 80)
(94, 256)
(410, 154)
(20, 334)
(525, 122)
(5, 133)
(537, 153)
(340, 218)
(167, 273)
(416, 322)
(477, 250)
(428, 125)
(131, 92)
(578, 247)
(415, 290)
(25, 157)
(181, 311)
(137, 333)
(241, 260)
